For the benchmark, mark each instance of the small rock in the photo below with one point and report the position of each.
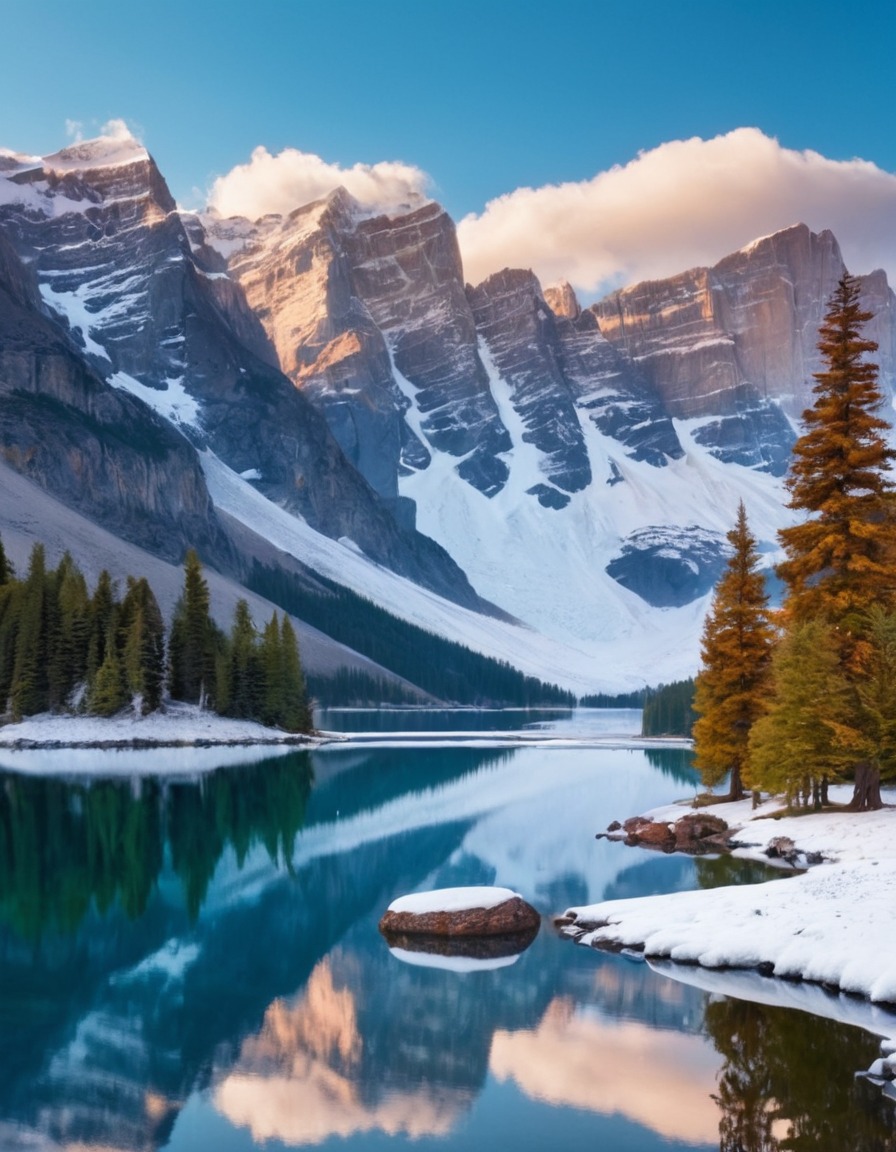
(500, 919)
(781, 848)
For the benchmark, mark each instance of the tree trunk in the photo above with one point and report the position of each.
(735, 787)
(866, 791)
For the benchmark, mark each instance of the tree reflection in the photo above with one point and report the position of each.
(68, 847)
(769, 1086)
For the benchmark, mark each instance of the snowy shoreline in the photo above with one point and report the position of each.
(832, 925)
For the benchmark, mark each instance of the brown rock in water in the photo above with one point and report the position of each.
(470, 947)
(511, 916)
(697, 833)
(641, 831)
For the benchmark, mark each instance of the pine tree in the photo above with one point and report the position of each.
(193, 640)
(68, 633)
(6, 572)
(108, 693)
(736, 651)
(808, 735)
(244, 672)
(272, 673)
(103, 605)
(296, 714)
(142, 642)
(29, 684)
(841, 560)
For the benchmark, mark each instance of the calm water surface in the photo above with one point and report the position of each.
(195, 965)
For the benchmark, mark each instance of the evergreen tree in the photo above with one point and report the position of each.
(296, 713)
(272, 673)
(29, 685)
(808, 735)
(736, 650)
(244, 667)
(103, 605)
(142, 641)
(6, 572)
(840, 560)
(11, 597)
(108, 693)
(68, 632)
(194, 639)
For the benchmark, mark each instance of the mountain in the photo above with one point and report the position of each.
(549, 483)
(100, 237)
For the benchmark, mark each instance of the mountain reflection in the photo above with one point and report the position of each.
(180, 960)
(585, 1060)
(298, 1080)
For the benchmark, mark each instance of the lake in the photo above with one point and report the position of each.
(193, 963)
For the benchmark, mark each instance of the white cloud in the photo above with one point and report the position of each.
(683, 204)
(74, 130)
(118, 129)
(283, 182)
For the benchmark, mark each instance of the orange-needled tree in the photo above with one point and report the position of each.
(840, 560)
(736, 648)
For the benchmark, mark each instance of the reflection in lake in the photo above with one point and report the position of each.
(188, 965)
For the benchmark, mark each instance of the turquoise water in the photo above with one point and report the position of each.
(195, 964)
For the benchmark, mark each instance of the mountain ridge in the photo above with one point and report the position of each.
(577, 467)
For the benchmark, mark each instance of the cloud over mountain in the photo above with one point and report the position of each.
(279, 183)
(685, 203)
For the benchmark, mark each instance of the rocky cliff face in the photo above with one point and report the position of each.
(737, 342)
(96, 448)
(366, 313)
(149, 310)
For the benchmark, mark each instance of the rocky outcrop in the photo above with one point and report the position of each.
(609, 388)
(366, 313)
(697, 833)
(95, 448)
(669, 566)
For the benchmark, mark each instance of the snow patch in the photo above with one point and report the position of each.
(452, 900)
(173, 402)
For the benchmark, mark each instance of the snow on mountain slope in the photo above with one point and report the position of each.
(547, 567)
(578, 628)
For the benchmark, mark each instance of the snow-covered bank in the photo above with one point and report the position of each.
(192, 739)
(831, 929)
(833, 925)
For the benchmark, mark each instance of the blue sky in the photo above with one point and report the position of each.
(484, 95)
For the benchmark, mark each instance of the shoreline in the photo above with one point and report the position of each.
(842, 865)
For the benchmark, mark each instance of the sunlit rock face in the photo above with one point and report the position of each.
(737, 342)
(363, 310)
(609, 389)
